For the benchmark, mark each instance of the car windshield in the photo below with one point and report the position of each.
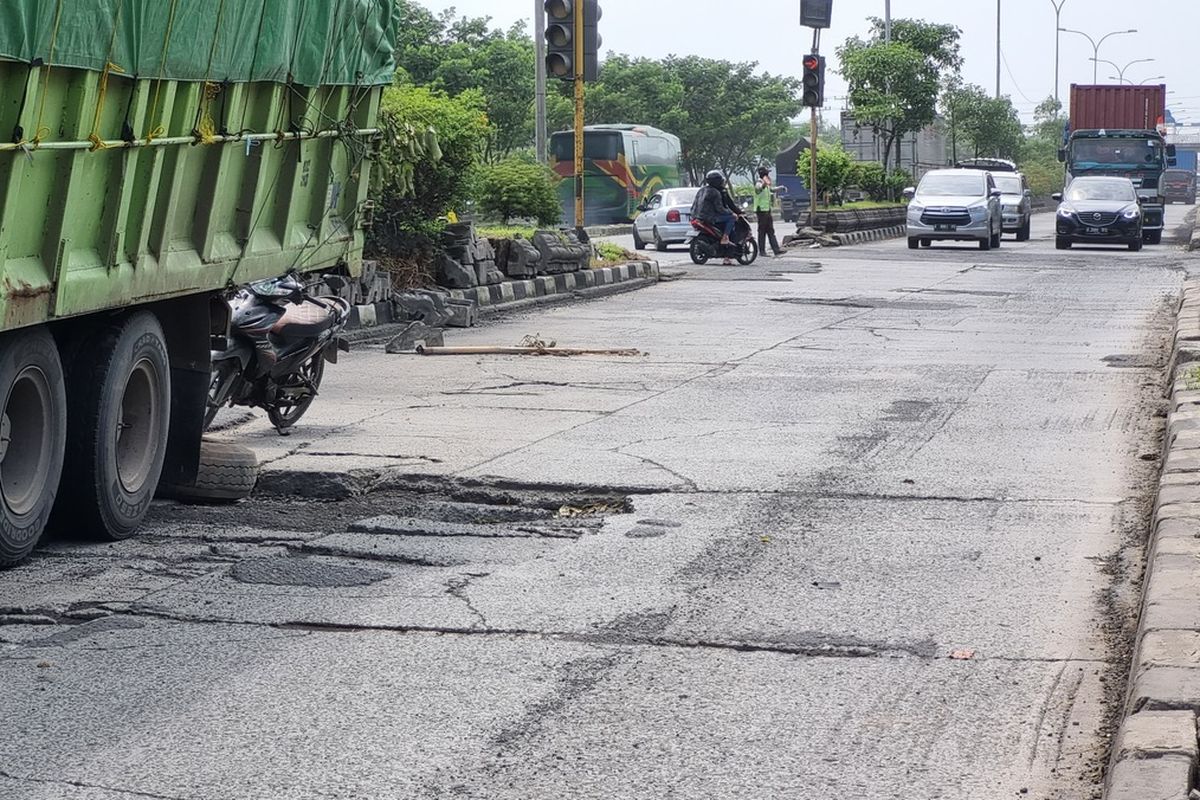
(680, 197)
(1101, 190)
(970, 185)
(1116, 153)
(1009, 184)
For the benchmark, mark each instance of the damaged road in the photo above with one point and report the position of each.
(782, 555)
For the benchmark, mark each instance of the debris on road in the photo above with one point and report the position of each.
(489, 350)
(962, 655)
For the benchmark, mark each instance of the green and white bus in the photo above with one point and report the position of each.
(622, 165)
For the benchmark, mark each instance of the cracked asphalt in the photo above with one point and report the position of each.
(860, 522)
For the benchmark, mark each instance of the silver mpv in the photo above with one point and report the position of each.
(961, 205)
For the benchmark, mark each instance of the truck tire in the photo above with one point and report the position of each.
(119, 408)
(228, 473)
(33, 438)
(1153, 237)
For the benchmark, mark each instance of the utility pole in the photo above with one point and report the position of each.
(998, 53)
(1058, 7)
(812, 147)
(539, 39)
(887, 21)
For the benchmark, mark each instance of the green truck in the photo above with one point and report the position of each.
(153, 154)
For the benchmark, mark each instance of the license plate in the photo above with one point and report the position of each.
(945, 228)
(1096, 231)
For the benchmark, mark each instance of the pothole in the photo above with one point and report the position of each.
(308, 572)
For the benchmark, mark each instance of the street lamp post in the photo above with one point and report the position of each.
(1147, 80)
(1058, 7)
(1121, 70)
(1096, 47)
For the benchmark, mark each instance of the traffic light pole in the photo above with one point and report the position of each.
(812, 148)
(579, 68)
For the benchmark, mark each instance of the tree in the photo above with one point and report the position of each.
(834, 171)
(517, 188)
(636, 90)
(455, 55)
(982, 125)
(892, 89)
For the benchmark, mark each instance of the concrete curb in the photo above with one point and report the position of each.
(1156, 753)
(875, 235)
(517, 294)
(1194, 245)
(600, 231)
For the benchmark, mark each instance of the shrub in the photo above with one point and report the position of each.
(872, 179)
(517, 188)
(431, 144)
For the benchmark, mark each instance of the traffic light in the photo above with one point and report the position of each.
(814, 81)
(561, 37)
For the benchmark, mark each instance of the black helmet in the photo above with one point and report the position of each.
(715, 179)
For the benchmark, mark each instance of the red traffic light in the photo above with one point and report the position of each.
(811, 62)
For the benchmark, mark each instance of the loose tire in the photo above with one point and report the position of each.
(659, 244)
(227, 473)
(119, 412)
(33, 439)
(913, 243)
(638, 243)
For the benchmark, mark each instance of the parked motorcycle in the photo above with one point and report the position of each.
(705, 243)
(281, 338)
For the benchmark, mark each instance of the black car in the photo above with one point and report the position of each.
(1099, 211)
(1179, 185)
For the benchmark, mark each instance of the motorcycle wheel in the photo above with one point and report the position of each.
(749, 253)
(224, 375)
(699, 252)
(286, 413)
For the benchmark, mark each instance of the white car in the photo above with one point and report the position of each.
(666, 218)
(960, 205)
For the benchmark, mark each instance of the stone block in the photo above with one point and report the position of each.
(487, 274)
(561, 252)
(1171, 600)
(1178, 510)
(414, 335)
(463, 313)
(1153, 734)
(454, 275)
(1169, 649)
(1178, 528)
(427, 307)
(1167, 778)
(1157, 688)
(522, 259)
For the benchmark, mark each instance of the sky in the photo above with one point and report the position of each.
(769, 32)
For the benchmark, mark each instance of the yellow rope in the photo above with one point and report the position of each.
(206, 129)
(39, 130)
(159, 130)
(94, 136)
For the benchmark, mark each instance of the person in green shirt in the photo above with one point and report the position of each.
(764, 198)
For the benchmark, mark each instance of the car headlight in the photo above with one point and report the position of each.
(1132, 213)
(915, 208)
(1065, 213)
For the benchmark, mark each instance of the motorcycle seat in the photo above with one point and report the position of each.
(307, 320)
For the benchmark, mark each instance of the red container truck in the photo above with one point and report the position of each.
(1119, 130)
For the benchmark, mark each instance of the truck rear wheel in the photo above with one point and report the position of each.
(120, 407)
(33, 437)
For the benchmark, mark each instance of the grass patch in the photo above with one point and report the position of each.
(505, 231)
(608, 254)
(1191, 379)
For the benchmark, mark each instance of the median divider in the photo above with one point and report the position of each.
(1155, 754)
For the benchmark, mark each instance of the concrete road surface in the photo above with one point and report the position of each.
(860, 523)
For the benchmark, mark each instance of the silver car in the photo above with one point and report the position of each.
(957, 205)
(1016, 203)
(666, 218)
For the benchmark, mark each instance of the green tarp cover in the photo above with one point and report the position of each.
(312, 42)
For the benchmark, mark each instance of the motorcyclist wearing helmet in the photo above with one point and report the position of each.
(715, 206)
